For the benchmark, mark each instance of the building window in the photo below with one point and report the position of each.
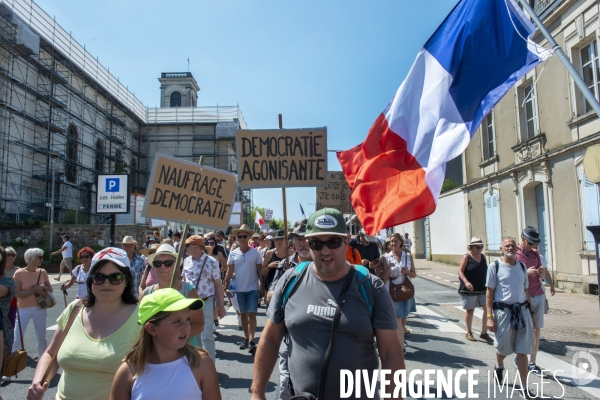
(529, 112)
(492, 221)
(589, 70)
(175, 99)
(71, 166)
(99, 162)
(591, 209)
(489, 149)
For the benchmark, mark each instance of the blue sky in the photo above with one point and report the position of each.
(319, 63)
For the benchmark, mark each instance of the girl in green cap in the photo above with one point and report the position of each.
(162, 363)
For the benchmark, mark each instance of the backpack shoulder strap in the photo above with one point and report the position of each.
(497, 264)
(291, 282)
(364, 287)
(523, 267)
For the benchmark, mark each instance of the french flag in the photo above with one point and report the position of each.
(478, 53)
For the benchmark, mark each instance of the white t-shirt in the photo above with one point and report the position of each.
(246, 274)
(395, 275)
(68, 253)
(81, 277)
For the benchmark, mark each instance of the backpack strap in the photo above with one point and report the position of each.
(498, 266)
(291, 282)
(365, 287)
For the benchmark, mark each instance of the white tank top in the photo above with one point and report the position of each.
(172, 380)
(81, 277)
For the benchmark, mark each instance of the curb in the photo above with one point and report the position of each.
(565, 350)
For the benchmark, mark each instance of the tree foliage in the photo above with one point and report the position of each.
(449, 184)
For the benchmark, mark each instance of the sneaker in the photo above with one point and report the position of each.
(486, 337)
(470, 336)
(535, 369)
(405, 346)
(245, 345)
(251, 347)
(57, 279)
(515, 361)
(216, 322)
(406, 331)
(499, 373)
(6, 379)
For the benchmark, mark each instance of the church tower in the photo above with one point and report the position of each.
(178, 89)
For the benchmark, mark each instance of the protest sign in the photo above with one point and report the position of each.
(185, 192)
(282, 157)
(336, 194)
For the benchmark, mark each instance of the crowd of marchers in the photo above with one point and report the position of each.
(143, 326)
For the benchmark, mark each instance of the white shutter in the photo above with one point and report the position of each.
(592, 209)
(492, 221)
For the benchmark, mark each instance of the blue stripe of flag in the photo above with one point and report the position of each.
(479, 47)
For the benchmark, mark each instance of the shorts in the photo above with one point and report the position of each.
(247, 301)
(539, 306)
(470, 302)
(67, 262)
(508, 341)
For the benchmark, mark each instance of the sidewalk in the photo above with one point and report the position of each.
(572, 324)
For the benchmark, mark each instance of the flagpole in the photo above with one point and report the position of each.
(285, 224)
(589, 96)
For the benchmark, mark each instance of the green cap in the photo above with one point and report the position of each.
(326, 221)
(165, 300)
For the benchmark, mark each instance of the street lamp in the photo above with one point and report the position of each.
(54, 155)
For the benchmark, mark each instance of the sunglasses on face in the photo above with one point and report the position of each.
(331, 243)
(115, 278)
(477, 247)
(210, 243)
(242, 237)
(167, 263)
(11, 255)
(83, 257)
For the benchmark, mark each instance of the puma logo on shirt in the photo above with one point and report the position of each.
(321, 310)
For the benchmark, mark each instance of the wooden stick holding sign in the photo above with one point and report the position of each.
(285, 224)
(182, 243)
(188, 193)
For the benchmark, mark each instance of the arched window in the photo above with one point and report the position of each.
(71, 167)
(99, 162)
(175, 99)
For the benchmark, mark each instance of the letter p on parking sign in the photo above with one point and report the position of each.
(112, 184)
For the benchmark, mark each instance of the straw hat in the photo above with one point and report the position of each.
(475, 241)
(129, 240)
(243, 229)
(164, 248)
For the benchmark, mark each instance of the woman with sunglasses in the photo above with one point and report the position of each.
(472, 273)
(80, 273)
(163, 262)
(103, 332)
(9, 272)
(31, 280)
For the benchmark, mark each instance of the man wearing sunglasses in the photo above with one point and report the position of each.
(202, 271)
(309, 314)
(528, 255)
(368, 250)
(246, 263)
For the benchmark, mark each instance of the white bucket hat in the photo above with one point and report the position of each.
(164, 248)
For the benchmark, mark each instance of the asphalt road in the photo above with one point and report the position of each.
(436, 343)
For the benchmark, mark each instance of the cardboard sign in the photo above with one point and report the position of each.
(189, 193)
(268, 214)
(282, 158)
(336, 194)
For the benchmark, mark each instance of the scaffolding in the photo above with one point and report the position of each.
(58, 118)
(65, 119)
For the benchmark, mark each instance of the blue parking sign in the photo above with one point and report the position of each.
(112, 184)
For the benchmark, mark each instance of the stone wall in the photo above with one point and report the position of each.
(81, 235)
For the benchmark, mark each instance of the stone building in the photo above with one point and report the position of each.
(524, 165)
(65, 119)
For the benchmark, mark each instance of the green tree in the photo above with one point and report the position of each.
(449, 184)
